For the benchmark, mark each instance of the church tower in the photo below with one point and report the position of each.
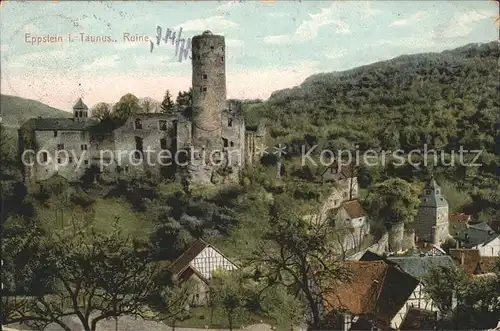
(432, 219)
(80, 111)
(209, 90)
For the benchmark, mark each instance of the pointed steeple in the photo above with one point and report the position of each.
(80, 105)
(80, 110)
(432, 195)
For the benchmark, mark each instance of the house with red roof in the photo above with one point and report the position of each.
(380, 296)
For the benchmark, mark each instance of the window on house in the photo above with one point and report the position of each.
(60, 147)
(229, 122)
(163, 125)
(205, 76)
(231, 144)
(204, 89)
(55, 133)
(138, 124)
(44, 156)
(163, 143)
(83, 147)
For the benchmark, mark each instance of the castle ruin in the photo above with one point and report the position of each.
(211, 137)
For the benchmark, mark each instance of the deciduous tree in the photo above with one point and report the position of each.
(91, 275)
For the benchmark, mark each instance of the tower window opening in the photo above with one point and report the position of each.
(163, 143)
(44, 156)
(204, 89)
(138, 123)
(225, 142)
(163, 125)
(231, 144)
(222, 58)
(55, 133)
(211, 47)
(204, 76)
(70, 159)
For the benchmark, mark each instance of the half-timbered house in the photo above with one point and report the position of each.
(380, 294)
(198, 263)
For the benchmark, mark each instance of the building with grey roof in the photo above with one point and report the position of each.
(419, 266)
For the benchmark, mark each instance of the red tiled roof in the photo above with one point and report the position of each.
(459, 217)
(487, 264)
(183, 261)
(468, 259)
(377, 289)
(353, 208)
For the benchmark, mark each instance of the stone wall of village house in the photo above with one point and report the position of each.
(490, 249)
(73, 167)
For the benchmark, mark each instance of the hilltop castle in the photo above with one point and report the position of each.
(213, 137)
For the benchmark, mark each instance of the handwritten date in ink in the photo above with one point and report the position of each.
(182, 46)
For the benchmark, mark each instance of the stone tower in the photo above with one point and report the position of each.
(209, 90)
(80, 111)
(432, 218)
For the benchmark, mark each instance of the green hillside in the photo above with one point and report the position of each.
(442, 99)
(15, 110)
(446, 101)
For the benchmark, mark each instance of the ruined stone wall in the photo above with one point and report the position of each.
(408, 239)
(72, 167)
(233, 139)
(209, 89)
(158, 134)
(396, 237)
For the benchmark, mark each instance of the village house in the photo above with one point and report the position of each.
(381, 296)
(458, 222)
(480, 236)
(471, 261)
(198, 263)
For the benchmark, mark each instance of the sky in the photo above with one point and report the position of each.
(270, 45)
